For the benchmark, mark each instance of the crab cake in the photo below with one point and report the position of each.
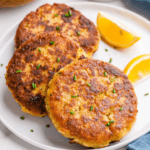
(33, 65)
(63, 19)
(91, 102)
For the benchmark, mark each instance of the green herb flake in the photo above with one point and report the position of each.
(121, 108)
(33, 85)
(72, 112)
(31, 130)
(113, 79)
(110, 60)
(78, 32)
(106, 50)
(18, 71)
(114, 91)
(67, 15)
(105, 74)
(22, 118)
(38, 66)
(58, 59)
(91, 108)
(111, 121)
(56, 15)
(47, 126)
(146, 94)
(74, 78)
(52, 42)
(108, 124)
(1, 64)
(57, 28)
(39, 50)
(74, 96)
(70, 14)
(88, 84)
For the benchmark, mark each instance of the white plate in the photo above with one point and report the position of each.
(49, 138)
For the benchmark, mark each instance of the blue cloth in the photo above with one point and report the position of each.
(141, 7)
(144, 0)
(143, 143)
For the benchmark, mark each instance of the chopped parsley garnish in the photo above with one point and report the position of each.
(57, 28)
(146, 94)
(74, 96)
(33, 85)
(113, 79)
(22, 118)
(56, 15)
(31, 130)
(106, 50)
(38, 66)
(18, 71)
(78, 32)
(105, 74)
(111, 121)
(88, 84)
(52, 42)
(39, 50)
(114, 91)
(47, 126)
(108, 124)
(58, 59)
(74, 78)
(72, 112)
(110, 60)
(121, 108)
(68, 14)
(1, 64)
(91, 108)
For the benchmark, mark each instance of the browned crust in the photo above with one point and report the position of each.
(89, 127)
(88, 38)
(26, 59)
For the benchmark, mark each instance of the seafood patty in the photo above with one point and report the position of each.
(91, 102)
(63, 19)
(33, 65)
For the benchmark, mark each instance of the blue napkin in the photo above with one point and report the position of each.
(143, 143)
(144, 0)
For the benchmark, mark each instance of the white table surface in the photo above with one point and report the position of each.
(8, 17)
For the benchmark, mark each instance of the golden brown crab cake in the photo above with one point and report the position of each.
(33, 65)
(91, 102)
(63, 19)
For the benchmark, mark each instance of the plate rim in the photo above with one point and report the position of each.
(39, 145)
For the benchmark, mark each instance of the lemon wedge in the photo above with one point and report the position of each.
(115, 33)
(138, 68)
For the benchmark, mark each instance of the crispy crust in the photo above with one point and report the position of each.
(44, 20)
(27, 58)
(86, 127)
